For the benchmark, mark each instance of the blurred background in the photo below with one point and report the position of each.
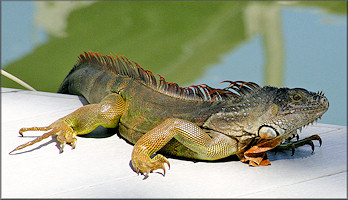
(278, 43)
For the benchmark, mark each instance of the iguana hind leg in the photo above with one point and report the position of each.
(82, 121)
(207, 147)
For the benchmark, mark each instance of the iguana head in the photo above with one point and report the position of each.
(269, 112)
(290, 110)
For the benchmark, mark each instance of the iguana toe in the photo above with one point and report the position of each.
(65, 134)
(299, 143)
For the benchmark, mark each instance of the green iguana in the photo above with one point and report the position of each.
(198, 122)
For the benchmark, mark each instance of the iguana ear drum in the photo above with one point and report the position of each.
(267, 132)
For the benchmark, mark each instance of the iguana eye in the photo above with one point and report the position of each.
(296, 97)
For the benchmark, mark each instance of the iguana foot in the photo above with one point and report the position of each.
(145, 165)
(65, 134)
(299, 143)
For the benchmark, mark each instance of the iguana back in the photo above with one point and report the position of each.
(148, 102)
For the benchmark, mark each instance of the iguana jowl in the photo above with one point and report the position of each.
(198, 122)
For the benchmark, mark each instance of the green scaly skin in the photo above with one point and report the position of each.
(196, 122)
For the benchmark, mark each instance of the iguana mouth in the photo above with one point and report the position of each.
(306, 110)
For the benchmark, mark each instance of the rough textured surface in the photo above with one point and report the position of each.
(99, 167)
(196, 122)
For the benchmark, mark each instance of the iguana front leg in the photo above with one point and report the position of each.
(207, 147)
(82, 121)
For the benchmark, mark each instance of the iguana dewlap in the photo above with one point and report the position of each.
(198, 122)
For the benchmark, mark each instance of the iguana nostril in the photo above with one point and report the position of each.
(324, 101)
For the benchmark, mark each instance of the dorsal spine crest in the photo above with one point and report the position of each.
(120, 65)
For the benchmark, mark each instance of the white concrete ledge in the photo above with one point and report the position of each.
(99, 166)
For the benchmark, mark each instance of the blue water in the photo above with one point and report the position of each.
(19, 35)
(315, 52)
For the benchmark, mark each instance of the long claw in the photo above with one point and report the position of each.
(166, 161)
(164, 171)
(146, 175)
(316, 137)
(61, 147)
(311, 144)
(292, 149)
(73, 144)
